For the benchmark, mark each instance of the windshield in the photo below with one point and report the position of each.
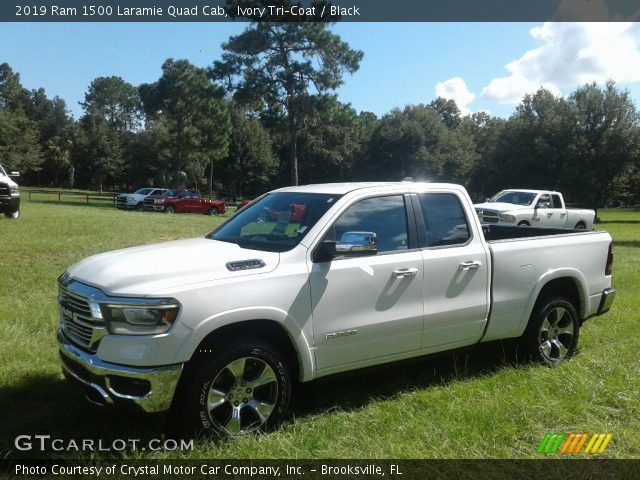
(143, 191)
(517, 198)
(276, 222)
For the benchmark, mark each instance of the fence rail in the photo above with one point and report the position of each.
(57, 195)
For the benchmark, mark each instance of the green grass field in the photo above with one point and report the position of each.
(477, 405)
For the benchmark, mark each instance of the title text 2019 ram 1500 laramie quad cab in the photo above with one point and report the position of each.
(9, 195)
(370, 273)
(538, 208)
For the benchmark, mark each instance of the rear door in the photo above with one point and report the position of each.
(456, 271)
(369, 307)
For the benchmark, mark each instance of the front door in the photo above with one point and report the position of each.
(368, 307)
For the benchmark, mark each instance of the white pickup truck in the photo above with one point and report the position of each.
(135, 200)
(538, 208)
(341, 276)
(9, 194)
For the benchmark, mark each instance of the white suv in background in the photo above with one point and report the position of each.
(135, 200)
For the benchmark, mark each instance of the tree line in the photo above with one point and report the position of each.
(266, 115)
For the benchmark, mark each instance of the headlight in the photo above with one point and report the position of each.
(507, 218)
(140, 319)
(15, 190)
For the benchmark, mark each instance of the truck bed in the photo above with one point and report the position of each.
(525, 258)
(493, 232)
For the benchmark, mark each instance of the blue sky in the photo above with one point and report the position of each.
(403, 63)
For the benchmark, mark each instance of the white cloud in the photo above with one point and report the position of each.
(569, 55)
(456, 89)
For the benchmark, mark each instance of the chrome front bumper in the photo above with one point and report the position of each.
(149, 388)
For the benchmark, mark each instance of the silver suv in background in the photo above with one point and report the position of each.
(135, 200)
(9, 195)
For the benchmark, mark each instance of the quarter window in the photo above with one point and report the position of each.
(444, 219)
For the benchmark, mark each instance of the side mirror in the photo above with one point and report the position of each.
(14, 174)
(325, 252)
(355, 244)
(352, 244)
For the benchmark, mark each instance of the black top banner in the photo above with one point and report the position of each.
(307, 10)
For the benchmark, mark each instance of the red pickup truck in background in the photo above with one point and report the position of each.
(184, 201)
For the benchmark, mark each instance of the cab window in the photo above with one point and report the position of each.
(384, 216)
(444, 219)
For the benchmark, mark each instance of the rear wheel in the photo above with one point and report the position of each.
(580, 226)
(553, 330)
(213, 212)
(170, 209)
(237, 390)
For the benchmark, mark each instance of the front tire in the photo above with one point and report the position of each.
(552, 334)
(139, 207)
(237, 390)
(13, 215)
(170, 209)
(524, 223)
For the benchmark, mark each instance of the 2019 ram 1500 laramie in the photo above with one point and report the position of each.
(9, 195)
(369, 273)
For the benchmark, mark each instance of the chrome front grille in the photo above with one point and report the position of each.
(5, 191)
(77, 331)
(488, 216)
(77, 323)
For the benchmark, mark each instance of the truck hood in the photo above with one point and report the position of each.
(7, 181)
(501, 206)
(150, 268)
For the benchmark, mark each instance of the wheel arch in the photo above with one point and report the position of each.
(279, 330)
(569, 283)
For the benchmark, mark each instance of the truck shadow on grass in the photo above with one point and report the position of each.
(48, 405)
(353, 390)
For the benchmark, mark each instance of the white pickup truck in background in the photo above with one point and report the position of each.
(340, 277)
(536, 208)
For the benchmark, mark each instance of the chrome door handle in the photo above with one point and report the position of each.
(470, 265)
(549, 215)
(562, 215)
(405, 272)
